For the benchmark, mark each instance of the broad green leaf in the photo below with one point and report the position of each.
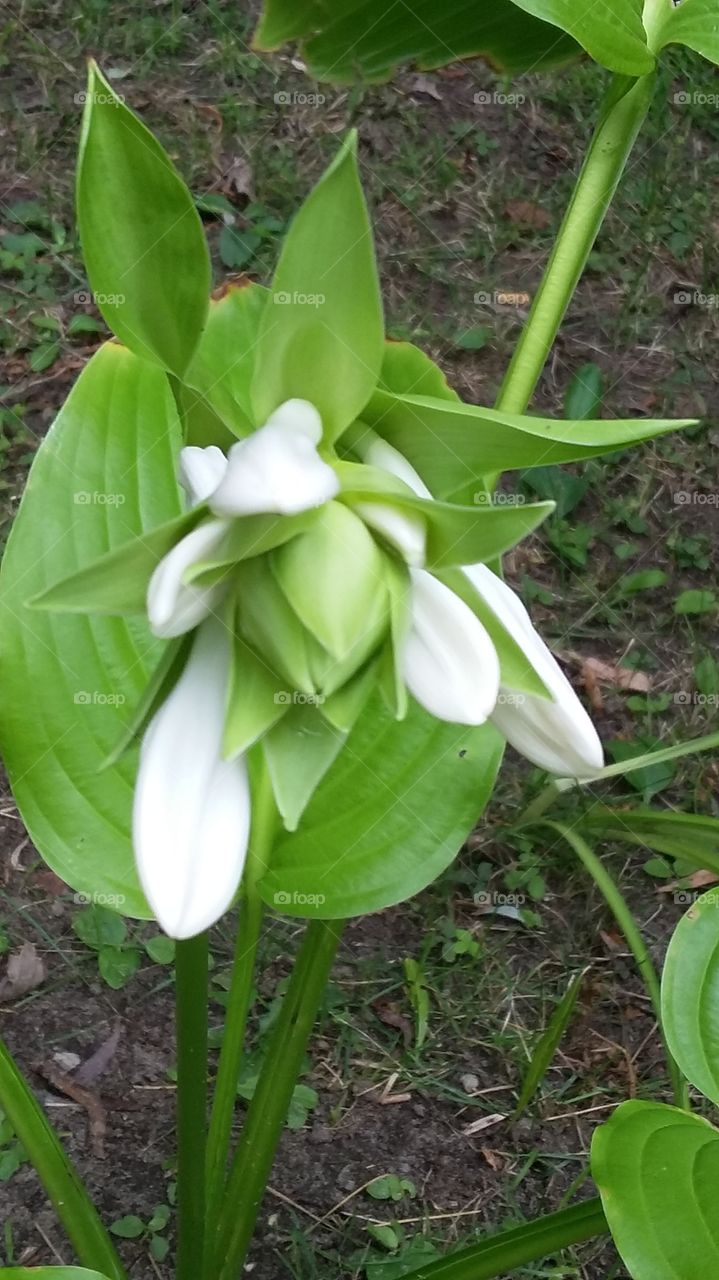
(585, 394)
(250, 536)
(611, 31)
(321, 334)
(255, 701)
(67, 680)
(391, 814)
(141, 235)
(548, 1044)
(694, 23)
(456, 534)
(408, 371)
(657, 1170)
(690, 994)
(271, 627)
(222, 366)
(367, 39)
(299, 751)
(158, 688)
(116, 583)
(454, 445)
(678, 835)
(333, 577)
(343, 707)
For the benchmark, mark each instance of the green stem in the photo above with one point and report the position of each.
(622, 116)
(191, 965)
(264, 816)
(69, 1196)
(503, 1253)
(624, 918)
(266, 1115)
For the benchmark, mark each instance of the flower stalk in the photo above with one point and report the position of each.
(621, 118)
(268, 1109)
(191, 964)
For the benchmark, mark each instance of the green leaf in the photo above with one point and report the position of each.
(98, 927)
(688, 836)
(333, 577)
(644, 580)
(43, 356)
(407, 370)
(116, 583)
(585, 394)
(501, 1253)
(391, 814)
(237, 248)
(321, 333)
(161, 949)
(128, 1228)
(690, 994)
(657, 1170)
(366, 39)
(456, 534)
(455, 445)
(117, 965)
(49, 1273)
(119, 421)
(611, 31)
(158, 688)
(692, 23)
(299, 751)
(60, 1179)
(548, 1044)
(696, 602)
(649, 779)
(255, 701)
(222, 366)
(141, 235)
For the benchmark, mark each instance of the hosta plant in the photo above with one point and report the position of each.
(255, 590)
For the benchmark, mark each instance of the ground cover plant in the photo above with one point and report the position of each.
(394, 443)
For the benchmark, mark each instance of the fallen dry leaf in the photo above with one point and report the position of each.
(484, 1122)
(425, 84)
(391, 1015)
(697, 880)
(525, 213)
(493, 1159)
(98, 1062)
(25, 971)
(237, 179)
(68, 1086)
(598, 672)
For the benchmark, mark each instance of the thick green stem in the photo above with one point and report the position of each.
(228, 1071)
(268, 1109)
(191, 959)
(500, 1255)
(73, 1206)
(624, 918)
(622, 116)
(264, 815)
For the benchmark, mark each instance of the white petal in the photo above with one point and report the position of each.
(191, 812)
(402, 529)
(449, 661)
(277, 469)
(559, 735)
(201, 471)
(298, 415)
(383, 455)
(172, 607)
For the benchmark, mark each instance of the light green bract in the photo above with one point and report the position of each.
(316, 608)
